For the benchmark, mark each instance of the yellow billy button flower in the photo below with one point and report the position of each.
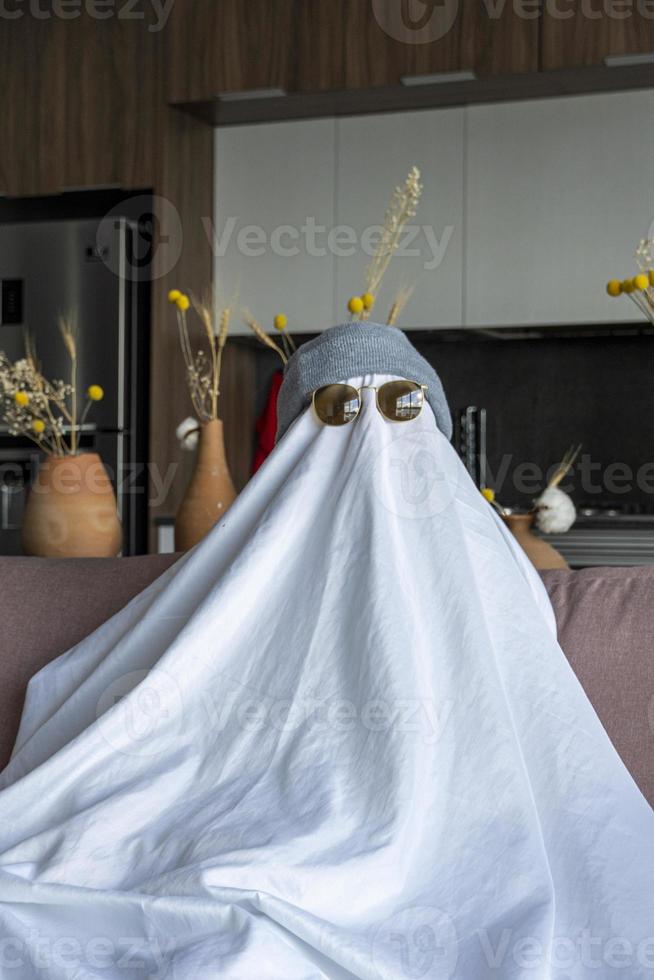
(368, 301)
(22, 398)
(280, 321)
(38, 426)
(355, 305)
(95, 393)
(182, 302)
(614, 287)
(628, 286)
(488, 494)
(641, 281)
(174, 295)
(651, 277)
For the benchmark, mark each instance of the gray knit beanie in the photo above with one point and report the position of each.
(349, 351)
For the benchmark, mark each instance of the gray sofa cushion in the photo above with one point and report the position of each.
(47, 605)
(605, 618)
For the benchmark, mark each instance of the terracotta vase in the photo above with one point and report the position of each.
(71, 510)
(540, 553)
(210, 491)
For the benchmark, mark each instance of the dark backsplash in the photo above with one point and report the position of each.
(543, 396)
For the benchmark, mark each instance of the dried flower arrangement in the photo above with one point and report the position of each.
(403, 206)
(640, 288)
(554, 511)
(203, 367)
(42, 410)
(210, 490)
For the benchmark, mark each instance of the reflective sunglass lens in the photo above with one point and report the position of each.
(400, 401)
(336, 404)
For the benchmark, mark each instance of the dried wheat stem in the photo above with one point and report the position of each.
(223, 330)
(565, 466)
(402, 297)
(403, 205)
(67, 330)
(261, 334)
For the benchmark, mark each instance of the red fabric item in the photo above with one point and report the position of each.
(266, 426)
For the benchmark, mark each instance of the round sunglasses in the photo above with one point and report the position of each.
(397, 401)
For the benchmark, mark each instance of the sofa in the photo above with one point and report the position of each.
(605, 618)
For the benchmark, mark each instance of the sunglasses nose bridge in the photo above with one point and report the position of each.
(368, 397)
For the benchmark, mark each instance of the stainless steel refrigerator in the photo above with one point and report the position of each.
(92, 270)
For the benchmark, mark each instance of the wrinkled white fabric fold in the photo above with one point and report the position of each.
(337, 740)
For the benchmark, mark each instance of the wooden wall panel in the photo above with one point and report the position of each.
(79, 103)
(581, 40)
(111, 136)
(228, 45)
(340, 45)
(184, 188)
(314, 45)
(238, 399)
(32, 105)
(182, 259)
(498, 45)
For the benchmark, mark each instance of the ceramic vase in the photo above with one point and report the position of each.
(210, 491)
(540, 553)
(71, 510)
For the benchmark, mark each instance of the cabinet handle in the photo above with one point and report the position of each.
(439, 78)
(623, 60)
(252, 94)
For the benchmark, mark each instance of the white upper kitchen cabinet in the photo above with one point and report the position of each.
(557, 198)
(374, 154)
(274, 188)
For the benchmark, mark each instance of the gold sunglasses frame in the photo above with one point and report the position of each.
(376, 389)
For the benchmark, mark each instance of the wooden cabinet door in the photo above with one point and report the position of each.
(554, 207)
(229, 46)
(321, 45)
(586, 33)
(81, 104)
(274, 209)
(375, 154)
(113, 93)
(33, 103)
(352, 44)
